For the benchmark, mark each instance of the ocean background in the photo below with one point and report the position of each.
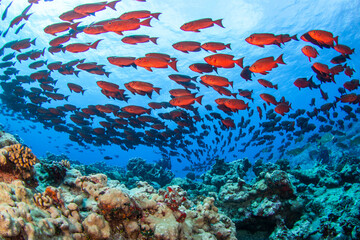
(240, 19)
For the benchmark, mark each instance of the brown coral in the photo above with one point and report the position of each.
(18, 160)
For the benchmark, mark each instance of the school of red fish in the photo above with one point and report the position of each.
(131, 125)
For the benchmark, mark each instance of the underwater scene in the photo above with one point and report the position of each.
(150, 119)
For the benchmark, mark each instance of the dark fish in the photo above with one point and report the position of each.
(5, 12)
(19, 28)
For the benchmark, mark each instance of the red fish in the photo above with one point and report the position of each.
(223, 91)
(187, 46)
(181, 78)
(56, 49)
(62, 39)
(269, 99)
(323, 37)
(282, 108)
(54, 66)
(137, 110)
(166, 57)
(96, 28)
(304, 83)
(56, 96)
(194, 26)
(351, 85)
(81, 47)
(343, 49)
(22, 44)
(349, 71)
(18, 19)
(214, 80)
(228, 123)
(246, 94)
(135, 39)
(223, 60)
(185, 100)
(215, 46)
(180, 92)
(154, 62)
(347, 98)
(202, 68)
(322, 68)
(310, 52)
(71, 15)
(40, 74)
(267, 84)
(60, 27)
(155, 105)
(111, 87)
(120, 26)
(264, 65)
(144, 87)
(259, 111)
(90, 8)
(261, 39)
(139, 14)
(122, 61)
(89, 66)
(76, 88)
(236, 104)
(324, 95)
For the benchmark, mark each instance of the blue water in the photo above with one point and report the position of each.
(240, 19)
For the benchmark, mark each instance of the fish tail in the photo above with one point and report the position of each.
(149, 94)
(280, 59)
(294, 38)
(94, 45)
(199, 98)
(228, 46)
(148, 111)
(55, 90)
(112, 4)
(26, 17)
(156, 15)
(173, 65)
(76, 73)
(194, 78)
(33, 41)
(215, 69)
(231, 84)
(154, 39)
(146, 22)
(157, 90)
(219, 23)
(107, 74)
(276, 86)
(74, 26)
(240, 62)
(233, 94)
(336, 39)
(66, 98)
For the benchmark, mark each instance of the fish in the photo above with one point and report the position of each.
(214, 80)
(304, 83)
(264, 65)
(349, 85)
(202, 68)
(310, 52)
(269, 99)
(261, 39)
(323, 37)
(61, 39)
(220, 60)
(71, 15)
(267, 84)
(187, 46)
(19, 28)
(236, 104)
(182, 78)
(154, 62)
(137, 110)
(23, 44)
(91, 8)
(81, 47)
(55, 28)
(185, 100)
(215, 46)
(76, 88)
(344, 50)
(282, 108)
(139, 14)
(118, 26)
(122, 61)
(194, 26)
(135, 39)
(5, 11)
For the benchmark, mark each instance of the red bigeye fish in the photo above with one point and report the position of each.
(264, 65)
(194, 26)
(60, 27)
(310, 52)
(323, 37)
(343, 49)
(81, 47)
(215, 46)
(267, 84)
(91, 8)
(185, 100)
(135, 39)
(223, 60)
(154, 62)
(76, 88)
(139, 14)
(187, 46)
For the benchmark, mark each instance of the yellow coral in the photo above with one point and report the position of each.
(65, 163)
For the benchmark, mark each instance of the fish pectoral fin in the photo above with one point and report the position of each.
(149, 69)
